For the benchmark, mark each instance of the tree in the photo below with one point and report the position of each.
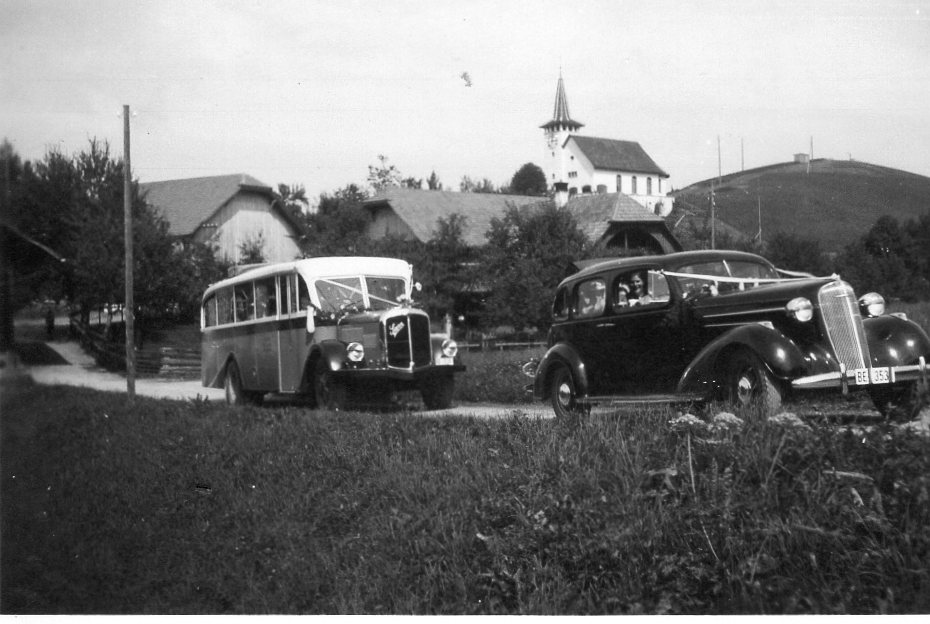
(528, 253)
(433, 183)
(467, 185)
(291, 198)
(787, 251)
(383, 176)
(529, 180)
(252, 249)
(338, 226)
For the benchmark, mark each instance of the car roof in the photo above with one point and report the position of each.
(670, 261)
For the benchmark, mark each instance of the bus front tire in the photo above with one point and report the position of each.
(328, 392)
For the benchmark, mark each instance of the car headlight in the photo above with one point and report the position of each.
(800, 309)
(355, 352)
(872, 304)
(449, 348)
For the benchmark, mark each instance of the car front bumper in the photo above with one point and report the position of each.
(874, 377)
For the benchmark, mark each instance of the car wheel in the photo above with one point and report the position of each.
(564, 395)
(437, 392)
(329, 392)
(750, 385)
(900, 402)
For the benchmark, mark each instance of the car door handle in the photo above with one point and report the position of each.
(599, 325)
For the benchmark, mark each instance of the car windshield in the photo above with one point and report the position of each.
(734, 274)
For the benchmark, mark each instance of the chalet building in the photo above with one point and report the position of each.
(622, 226)
(577, 164)
(412, 214)
(228, 211)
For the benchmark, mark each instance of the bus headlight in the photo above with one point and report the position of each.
(872, 304)
(355, 352)
(801, 309)
(449, 348)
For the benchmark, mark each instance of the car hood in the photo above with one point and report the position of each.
(762, 298)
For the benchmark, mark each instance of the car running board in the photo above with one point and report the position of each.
(639, 399)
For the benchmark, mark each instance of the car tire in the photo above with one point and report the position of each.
(437, 392)
(563, 394)
(750, 385)
(900, 402)
(328, 392)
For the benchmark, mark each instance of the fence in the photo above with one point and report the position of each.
(173, 362)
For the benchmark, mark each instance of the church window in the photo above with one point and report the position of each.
(619, 184)
(634, 185)
(648, 186)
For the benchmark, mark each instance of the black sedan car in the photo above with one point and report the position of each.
(723, 325)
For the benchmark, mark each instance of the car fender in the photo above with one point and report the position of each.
(561, 354)
(778, 353)
(894, 341)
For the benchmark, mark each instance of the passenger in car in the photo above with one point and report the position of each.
(623, 299)
(639, 295)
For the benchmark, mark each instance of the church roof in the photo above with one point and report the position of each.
(560, 114)
(594, 213)
(615, 155)
(187, 203)
(421, 209)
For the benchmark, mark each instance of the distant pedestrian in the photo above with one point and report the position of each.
(49, 322)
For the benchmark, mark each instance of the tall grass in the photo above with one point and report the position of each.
(171, 507)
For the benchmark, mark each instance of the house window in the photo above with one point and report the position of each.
(648, 186)
(619, 184)
(572, 174)
(659, 181)
(634, 185)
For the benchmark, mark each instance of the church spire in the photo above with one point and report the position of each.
(561, 119)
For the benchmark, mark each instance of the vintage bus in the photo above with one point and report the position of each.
(325, 328)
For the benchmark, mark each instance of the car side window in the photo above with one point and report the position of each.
(560, 305)
(639, 288)
(590, 298)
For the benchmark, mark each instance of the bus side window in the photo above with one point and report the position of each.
(282, 295)
(303, 295)
(245, 304)
(209, 311)
(224, 304)
(266, 304)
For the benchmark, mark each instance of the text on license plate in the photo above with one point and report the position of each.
(865, 376)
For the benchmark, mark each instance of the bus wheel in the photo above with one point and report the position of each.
(329, 392)
(437, 392)
(232, 384)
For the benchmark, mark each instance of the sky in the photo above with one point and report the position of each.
(311, 92)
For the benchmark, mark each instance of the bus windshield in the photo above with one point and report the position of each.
(340, 293)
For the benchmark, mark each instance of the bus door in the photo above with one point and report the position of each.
(265, 336)
(293, 340)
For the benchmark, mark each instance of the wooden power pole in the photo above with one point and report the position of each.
(128, 305)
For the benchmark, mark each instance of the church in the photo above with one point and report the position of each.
(577, 164)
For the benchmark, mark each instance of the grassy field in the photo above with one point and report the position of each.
(172, 507)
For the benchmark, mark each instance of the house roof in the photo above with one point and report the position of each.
(595, 213)
(616, 155)
(420, 210)
(187, 203)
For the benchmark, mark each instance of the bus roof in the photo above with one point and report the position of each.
(331, 266)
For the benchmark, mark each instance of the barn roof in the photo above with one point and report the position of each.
(187, 203)
(616, 155)
(421, 209)
(595, 213)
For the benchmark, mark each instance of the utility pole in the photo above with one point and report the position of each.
(719, 168)
(742, 155)
(713, 218)
(128, 305)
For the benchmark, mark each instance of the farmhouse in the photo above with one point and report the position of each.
(229, 211)
(578, 164)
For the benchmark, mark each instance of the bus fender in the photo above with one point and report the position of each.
(220, 376)
(778, 353)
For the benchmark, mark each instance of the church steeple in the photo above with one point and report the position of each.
(561, 119)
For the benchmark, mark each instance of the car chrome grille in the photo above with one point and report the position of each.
(407, 337)
(843, 324)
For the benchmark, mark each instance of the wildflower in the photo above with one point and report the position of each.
(688, 423)
(789, 420)
(725, 421)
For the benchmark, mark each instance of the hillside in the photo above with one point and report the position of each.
(835, 203)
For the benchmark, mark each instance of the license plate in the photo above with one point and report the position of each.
(866, 376)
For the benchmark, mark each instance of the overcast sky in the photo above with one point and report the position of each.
(311, 92)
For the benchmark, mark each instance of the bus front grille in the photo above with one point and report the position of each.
(408, 340)
(843, 324)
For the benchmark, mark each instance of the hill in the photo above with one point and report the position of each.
(835, 202)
